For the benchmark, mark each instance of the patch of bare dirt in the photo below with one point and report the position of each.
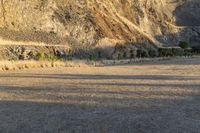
(149, 97)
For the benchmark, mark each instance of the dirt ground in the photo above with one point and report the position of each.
(156, 97)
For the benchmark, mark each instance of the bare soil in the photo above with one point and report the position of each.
(156, 97)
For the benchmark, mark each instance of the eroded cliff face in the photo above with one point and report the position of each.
(90, 23)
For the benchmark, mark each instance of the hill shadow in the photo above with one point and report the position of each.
(86, 110)
(187, 18)
(187, 14)
(99, 77)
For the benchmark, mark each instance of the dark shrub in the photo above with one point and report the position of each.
(177, 52)
(188, 52)
(92, 57)
(196, 50)
(21, 57)
(183, 44)
(99, 55)
(119, 56)
(124, 55)
(153, 53)
(141, 53)
(133, 53)
(165, 52)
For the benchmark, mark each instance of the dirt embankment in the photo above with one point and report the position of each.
(85, 23)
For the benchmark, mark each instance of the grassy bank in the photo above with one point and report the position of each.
(27, 64)
(18, 65)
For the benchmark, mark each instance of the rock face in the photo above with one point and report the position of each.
(100, 23)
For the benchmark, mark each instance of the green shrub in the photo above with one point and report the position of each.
(124, 55)
(46, 56)
(55, 58)
(141, 53)
(99, 54)
(177, 52)
(70, 58)
(188, 52)
(153, 53)
(119, 56)
(165, 52)
(133, 53)
(196, 50)
(183, 44)
(51, 57)
(92, 57)
(39, 56)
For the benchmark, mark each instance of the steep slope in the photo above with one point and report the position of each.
(86, 24)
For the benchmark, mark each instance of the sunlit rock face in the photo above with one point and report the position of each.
(90, 23)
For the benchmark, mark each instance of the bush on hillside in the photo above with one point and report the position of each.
(21, 57)
(183, 44)
(196, 50)
(133, 53)
(153, 53)
(46, 56)
(39, 56)
(165, 52)
(177, 52)
(188, 52)
(142, 53)
(124, 55)
(119, 56)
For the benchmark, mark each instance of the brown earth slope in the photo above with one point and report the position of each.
(89, 23)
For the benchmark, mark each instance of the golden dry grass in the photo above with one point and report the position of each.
(18, 65)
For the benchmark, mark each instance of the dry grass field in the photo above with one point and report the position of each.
(156, 97)
(19, 65)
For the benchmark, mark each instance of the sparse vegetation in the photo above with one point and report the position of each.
(17, 65)
(39, 56)
(46, 56)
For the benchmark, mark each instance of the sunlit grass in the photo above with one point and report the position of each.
(18, 65)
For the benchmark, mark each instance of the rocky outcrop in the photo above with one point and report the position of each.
(87, 24)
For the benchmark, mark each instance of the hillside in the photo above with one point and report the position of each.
(88, 24)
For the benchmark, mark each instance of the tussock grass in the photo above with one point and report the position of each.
(18, 65)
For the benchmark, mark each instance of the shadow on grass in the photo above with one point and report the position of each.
(100, 107)
(83, 111)
(98, 77)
